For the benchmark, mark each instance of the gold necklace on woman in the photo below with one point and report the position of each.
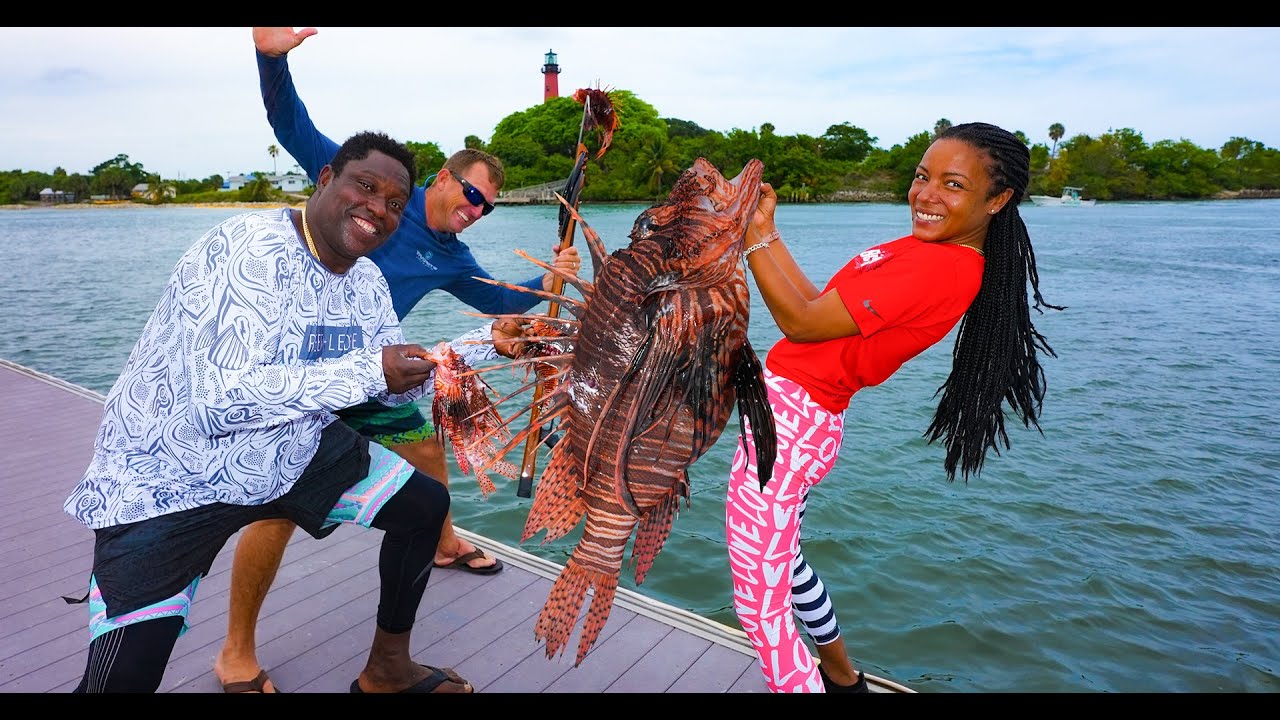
(306, 233)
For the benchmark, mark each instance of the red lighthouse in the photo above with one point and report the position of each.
(551, 77)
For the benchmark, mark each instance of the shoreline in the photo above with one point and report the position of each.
(1224, 195)
(129, 204)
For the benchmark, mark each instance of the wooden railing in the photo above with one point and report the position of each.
(543, 194)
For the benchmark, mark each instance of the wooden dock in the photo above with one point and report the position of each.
(318, 620)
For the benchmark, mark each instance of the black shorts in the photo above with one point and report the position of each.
(148, 561)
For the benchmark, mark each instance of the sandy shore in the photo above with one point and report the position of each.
(118, 205)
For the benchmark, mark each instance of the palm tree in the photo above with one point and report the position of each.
(273, 151)
(941, 126)
(1056, 131)
(157, 189)
(657, 158)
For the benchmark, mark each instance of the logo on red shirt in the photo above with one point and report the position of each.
(867, 258)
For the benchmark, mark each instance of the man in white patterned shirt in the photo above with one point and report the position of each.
(224, 415)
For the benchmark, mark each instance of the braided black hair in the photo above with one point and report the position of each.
(995, 358)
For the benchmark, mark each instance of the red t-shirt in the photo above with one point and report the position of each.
(905, 295)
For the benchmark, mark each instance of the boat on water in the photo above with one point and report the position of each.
(1070, 198)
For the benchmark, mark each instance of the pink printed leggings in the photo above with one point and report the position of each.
(772, 583)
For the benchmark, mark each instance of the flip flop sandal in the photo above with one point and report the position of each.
(460, 563)
(256, 685)
(433, 683)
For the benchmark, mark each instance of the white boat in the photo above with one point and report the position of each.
(1070, 198)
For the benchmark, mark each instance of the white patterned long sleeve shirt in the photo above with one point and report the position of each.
(252, 347)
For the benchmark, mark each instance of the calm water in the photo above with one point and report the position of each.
(1131, 548)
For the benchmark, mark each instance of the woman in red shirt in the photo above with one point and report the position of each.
(968, 259)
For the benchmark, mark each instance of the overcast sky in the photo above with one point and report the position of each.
(184, 102)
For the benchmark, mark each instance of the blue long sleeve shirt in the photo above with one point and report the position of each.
(416, 259)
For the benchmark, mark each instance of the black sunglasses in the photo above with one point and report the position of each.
(473, 195)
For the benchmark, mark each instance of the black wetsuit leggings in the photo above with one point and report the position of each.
(133, 658)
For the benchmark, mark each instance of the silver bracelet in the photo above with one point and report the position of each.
(764, 244)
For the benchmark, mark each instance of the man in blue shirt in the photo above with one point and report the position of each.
(424, 254)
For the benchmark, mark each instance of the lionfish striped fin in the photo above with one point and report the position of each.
(576, 306)
(599, 254)
(584, 286)
(654, 528)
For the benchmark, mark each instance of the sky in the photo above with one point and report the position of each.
(184, 102)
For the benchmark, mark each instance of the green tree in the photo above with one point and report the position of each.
(116, 177)
(1056, 131)
(898, 165)
(539, 144)
(157, 189)
(941, 126)
(259, 189)
(1111, 166)
(846, 142)
(1248, 164)
(677, 128)
(657, 162)
(427, 158)
(114, 182)
(1180, 170)
(273, 151)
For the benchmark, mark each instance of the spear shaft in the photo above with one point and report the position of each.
(568, 228)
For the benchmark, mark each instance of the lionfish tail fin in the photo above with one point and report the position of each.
(564, 602)
(652, 533)
(606, 586)
(558, 505)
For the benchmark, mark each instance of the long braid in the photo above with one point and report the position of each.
(995, 355)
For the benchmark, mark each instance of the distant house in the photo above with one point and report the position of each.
(142, 191)
(289, 182)
(49, 196)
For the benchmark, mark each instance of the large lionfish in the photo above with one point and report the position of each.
(659, 354)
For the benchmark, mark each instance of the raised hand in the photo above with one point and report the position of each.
(276, 41)
(762, 223)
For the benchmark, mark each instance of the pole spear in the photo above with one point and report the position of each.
(568, 228)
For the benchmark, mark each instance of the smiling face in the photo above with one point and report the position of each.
(447, 206)
(351, 214)
(951, 195)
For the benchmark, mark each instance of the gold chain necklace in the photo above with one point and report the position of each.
(306, 233)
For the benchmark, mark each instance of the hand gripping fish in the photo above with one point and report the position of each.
(658, 356)
(462, 411)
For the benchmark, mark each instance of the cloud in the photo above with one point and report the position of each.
(184, 102)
